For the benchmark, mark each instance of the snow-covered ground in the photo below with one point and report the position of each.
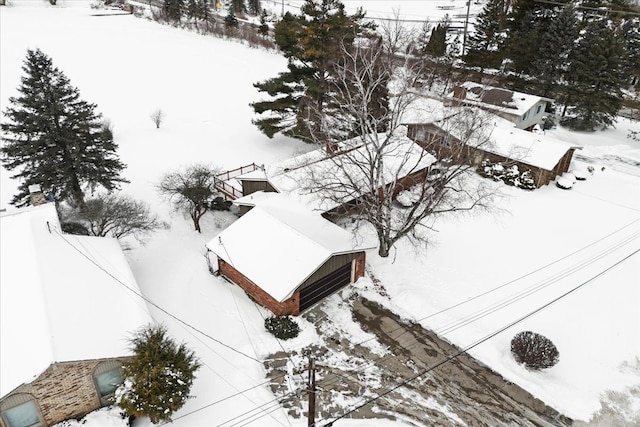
(541, 245)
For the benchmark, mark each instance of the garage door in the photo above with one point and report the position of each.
(324, 287)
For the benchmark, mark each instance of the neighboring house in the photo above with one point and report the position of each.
(285, 257)
(496, 140)
(64, 319)
(401, 171)
(523, 110)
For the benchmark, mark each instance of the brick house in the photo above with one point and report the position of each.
(495, 139)
(285, 257)
(64, 321)
(521, 109)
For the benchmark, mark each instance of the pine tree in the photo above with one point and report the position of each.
(630, 29)
(596, 76)
(173, 9)
(254, 7)
(158, 378)
(263, 29)
(555, 44)
(483, 45)
(204, 9)
(437, 45)
(312, 42)
(238, 7)
(54, 138)
(230, 21)
(526, 24)
(192, 9)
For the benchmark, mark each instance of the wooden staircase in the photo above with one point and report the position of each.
(230, 188)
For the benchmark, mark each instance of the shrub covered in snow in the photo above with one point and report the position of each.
(159, 376)
(510, 175)
(282, 327)
(580, 174)
(534, 351)
(566, 181)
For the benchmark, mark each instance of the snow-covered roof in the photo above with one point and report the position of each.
(500, 136)
(498, 99)
(401, 158)
(279, 244)
(527, 147)
(58, 301)
(256, 175)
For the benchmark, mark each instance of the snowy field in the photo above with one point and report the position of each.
(494, 268)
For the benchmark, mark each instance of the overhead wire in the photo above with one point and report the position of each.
(468, 319)
(154, 304)
(251, 416)
(480, 341)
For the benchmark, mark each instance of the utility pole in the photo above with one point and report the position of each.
(466, 23)
(311, 392)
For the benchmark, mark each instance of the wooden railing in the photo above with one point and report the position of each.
(225, 187)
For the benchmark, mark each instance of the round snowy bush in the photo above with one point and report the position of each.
(282, 327)
(564, 182)
(580, 174)
(534, 351)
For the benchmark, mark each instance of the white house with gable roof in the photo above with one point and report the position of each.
(522, 109)
(68, 305)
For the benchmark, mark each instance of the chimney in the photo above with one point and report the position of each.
(459, 92)
(331, 148)
(36, 196)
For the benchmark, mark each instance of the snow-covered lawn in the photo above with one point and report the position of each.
(541, 245)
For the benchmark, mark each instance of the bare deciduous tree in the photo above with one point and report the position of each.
(116, 215)
(371, 176)
(157, 116)
(190, 190)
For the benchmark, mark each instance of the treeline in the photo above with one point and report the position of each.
(583, 54)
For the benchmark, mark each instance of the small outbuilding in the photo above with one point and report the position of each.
(285, 257)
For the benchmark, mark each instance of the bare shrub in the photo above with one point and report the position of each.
(157, 116)
(534, 351)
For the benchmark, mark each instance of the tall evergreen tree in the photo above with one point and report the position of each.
(263, 28)
(312, 42)
(238, 7)
(630, 29)
(555, 44)
(437, 45)
(204, 9)
(230, 21)
(173, 9)
(254, 7)
(596, 77)
(55, 139)
(526, 24)
(192, 9)
(484, 44)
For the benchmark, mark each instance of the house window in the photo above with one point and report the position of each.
(525, 116)
(23, 415)
(107, 377)
(538, 109)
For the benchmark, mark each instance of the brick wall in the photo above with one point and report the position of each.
(64, 390)
(289, 306)
(359, 265)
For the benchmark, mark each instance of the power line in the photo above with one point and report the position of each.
(482, 340)
(253, 417)
(149, 301)
(555, 3)
(511, 282)
(495, 307)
